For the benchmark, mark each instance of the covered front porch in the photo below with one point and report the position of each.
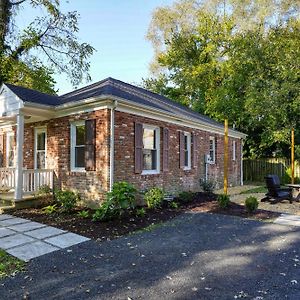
(16, 180)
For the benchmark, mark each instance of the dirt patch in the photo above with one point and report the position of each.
(130, 222)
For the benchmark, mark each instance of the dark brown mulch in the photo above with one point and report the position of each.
(130, 222)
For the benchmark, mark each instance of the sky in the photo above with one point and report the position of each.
(117, 30)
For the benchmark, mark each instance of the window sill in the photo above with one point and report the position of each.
(78, 171)
(187, 168)
(150, 172)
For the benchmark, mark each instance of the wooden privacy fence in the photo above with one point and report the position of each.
(256, 169)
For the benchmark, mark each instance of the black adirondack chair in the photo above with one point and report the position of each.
(275, 192)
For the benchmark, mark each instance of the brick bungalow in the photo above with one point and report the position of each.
(106, 132)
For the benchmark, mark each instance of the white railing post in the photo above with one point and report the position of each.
(19, 157)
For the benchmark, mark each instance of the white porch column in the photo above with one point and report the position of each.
(19, 157)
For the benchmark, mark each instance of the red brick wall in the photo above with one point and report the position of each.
(175, 179)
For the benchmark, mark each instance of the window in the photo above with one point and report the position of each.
(187, 150)
(234, 150)
(10, 150)
(212, 149)
(40, 148)
(77, 146)
(150, 149)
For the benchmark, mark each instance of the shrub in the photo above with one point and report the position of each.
(83, 214)
(186, 197)
(121, 197)
(154, 197)
(223, 200)
(207, 185)
(44, 190)
(141, 212)
(50, 209)
(251, 204)
(287, 177)
(66, 199)
(173, 205)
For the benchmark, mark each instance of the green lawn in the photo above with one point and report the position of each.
(259, 189)
(9, 264)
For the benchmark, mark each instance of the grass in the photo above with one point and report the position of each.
(259, 189)
(9, 264)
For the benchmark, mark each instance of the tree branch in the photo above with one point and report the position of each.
(17, 3)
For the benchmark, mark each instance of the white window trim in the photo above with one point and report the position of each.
(36, 131)
(213, 159)
(9, 134)
(157, 142)
(189, 148)
(72, 146)
(233, 150)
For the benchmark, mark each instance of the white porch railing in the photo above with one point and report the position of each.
(7, 178)
(33, 180)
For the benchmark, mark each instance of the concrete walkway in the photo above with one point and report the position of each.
(25, 239)
(288, 219)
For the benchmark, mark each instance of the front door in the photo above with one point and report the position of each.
(40, 148)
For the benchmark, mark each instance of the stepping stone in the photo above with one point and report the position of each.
(6, 232)
(14, 240)
(26, 226)
(13, 221)
(66, 240)
(5, 217)
(287, 222)
(289, 217)
(44, 232)
(32, 250)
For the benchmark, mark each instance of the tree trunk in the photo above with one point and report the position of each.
(5, 13)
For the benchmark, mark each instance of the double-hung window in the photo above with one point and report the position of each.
(40, 137)
(78, 146)
(10, 150)
(151, 148)
(212, 149)
(233, 150)
(187, 150)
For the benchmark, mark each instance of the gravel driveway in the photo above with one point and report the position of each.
(195, 256)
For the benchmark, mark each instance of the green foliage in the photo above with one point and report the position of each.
(173, 205)
(44, 190)
(66, 199)
(186, 197)
(48, 44)
(251, 204)
(287, 177)
(209, 61)
(50, 209)
(223, 200)
(207, 185)
(121, 198)
(140, 212)
(83, 214)
(154, 197)
(259, 189)
(9, 265)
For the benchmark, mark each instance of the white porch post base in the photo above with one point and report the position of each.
(19, 157)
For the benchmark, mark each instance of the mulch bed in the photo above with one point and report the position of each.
(128, 223)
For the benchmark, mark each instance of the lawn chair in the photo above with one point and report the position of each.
(275, 192)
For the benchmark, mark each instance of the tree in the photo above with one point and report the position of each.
(48, 44)
(216, 65)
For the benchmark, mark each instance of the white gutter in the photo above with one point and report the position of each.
(112, 145)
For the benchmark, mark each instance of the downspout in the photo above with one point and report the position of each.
(242, 175)
(112, 145)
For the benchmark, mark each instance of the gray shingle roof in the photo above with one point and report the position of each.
(116, 88)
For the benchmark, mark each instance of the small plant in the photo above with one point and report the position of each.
(44, 190)
(223, 200)
(251, 204)
(207, 185)
(154, 197)
(121, 198)
(186, 197)
(50, 209)
(66, 199)
(173, 205)
(83, 214)
(141, 212)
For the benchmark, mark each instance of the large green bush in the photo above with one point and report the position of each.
(121, 198)
(66, 199)
(251, 204)
(154, 197)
